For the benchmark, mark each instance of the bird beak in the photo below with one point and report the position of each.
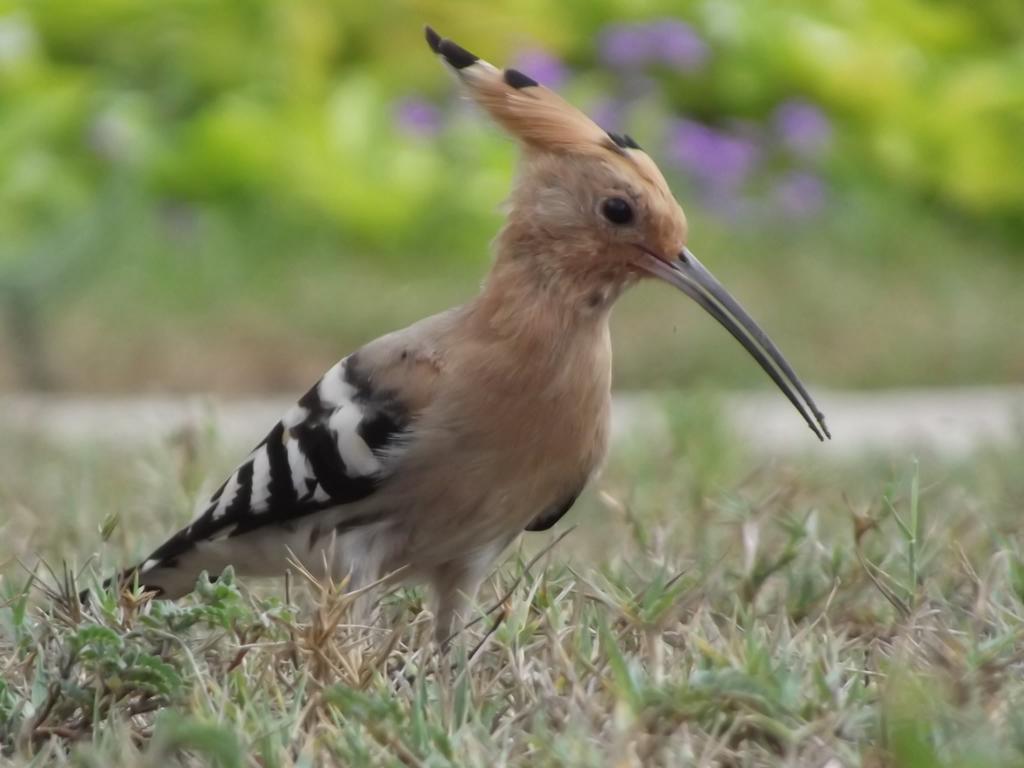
(691, 277)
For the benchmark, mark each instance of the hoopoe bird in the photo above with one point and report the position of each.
(433, 447)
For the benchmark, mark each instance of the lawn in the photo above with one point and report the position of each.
(700, 606)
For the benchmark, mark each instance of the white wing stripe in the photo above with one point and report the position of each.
(299, 467)
(228, 495)
(333, 389)
(295, 416)
(356, 454)
(260, 480)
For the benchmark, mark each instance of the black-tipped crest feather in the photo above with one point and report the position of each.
(518, 80)
(433, 39)
(453, 53)
(623, 141)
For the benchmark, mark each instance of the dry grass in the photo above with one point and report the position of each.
(707, 610)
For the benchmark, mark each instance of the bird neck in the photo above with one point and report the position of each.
(527, 334)
(525, 300)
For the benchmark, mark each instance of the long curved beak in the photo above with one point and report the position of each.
(691, 277)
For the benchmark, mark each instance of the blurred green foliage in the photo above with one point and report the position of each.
(188, 142)
(290, 102)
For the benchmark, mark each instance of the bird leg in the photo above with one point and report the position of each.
(455, 586)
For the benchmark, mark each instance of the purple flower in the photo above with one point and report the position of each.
(625, 45)
(665, 41)
(726, 202)
(639, 84)
(803, 127)
(417, 117)
(718, 160)
(677, 44)
(610, 114)
(800, 194)
(546, 68)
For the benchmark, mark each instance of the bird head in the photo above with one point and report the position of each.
(591, 212)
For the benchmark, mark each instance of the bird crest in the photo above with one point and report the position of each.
(537, 116)
(545, 124)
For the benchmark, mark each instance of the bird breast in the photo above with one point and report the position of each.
(511, 436)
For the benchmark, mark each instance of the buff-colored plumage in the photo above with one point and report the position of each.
(430, 449)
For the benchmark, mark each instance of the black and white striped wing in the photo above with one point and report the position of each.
(334, 447)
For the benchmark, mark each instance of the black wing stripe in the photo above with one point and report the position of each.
(311, 400)
(378, 430)
(240, 504)
(321, 450)
(282, 495)
(385, 418)
(166, 554)
(216, 495)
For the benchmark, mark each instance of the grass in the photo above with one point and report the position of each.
(708, 608)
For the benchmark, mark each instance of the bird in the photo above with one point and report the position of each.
(429, 450)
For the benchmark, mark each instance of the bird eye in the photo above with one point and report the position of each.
(617, 210)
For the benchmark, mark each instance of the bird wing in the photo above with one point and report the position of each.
(552, 514)
(335, 446)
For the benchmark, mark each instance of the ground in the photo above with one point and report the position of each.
(702, 605)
